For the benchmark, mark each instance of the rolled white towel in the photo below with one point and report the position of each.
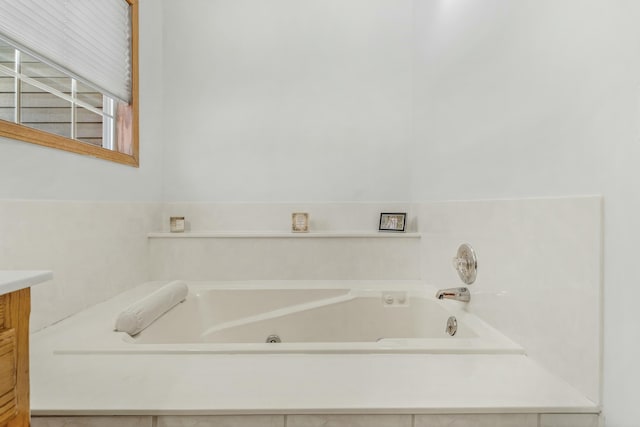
(144, 312)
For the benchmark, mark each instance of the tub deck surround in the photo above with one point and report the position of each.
(296, 384)
(213, 384)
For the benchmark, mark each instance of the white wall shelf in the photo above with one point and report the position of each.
(282, 235)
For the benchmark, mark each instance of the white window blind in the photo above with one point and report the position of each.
(90, 39)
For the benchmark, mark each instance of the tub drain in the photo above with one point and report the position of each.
(273, 338)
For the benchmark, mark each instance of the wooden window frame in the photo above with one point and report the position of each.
(34, 136)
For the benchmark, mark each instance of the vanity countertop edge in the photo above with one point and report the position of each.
(14, 280)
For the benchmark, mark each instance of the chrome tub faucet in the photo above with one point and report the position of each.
(458, 294)
(466, 264)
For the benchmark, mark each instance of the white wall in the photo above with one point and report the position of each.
(517, 99)
(30, 171)
(287, 100)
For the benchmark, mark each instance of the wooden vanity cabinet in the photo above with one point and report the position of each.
(14, 358)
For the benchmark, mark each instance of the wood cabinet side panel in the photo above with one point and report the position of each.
(17, 309)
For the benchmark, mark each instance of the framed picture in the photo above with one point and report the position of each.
(299, 222)
(392, 221)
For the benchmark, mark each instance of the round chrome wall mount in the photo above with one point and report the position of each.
(466, 263)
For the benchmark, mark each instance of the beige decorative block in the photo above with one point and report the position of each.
(477, 420)
(116, 421)
(349, 421)
(222, 421)
(569, 420)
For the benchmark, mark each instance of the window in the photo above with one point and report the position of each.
(39, 96)
(49, 104)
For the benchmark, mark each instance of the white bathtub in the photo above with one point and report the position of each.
(308, 317)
